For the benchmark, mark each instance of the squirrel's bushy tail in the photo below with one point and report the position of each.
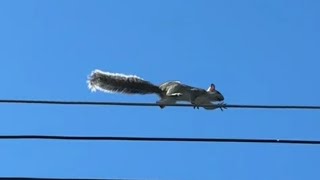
(120, 83)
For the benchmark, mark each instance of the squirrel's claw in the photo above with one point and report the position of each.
(222, 106)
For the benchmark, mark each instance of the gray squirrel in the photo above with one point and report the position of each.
(169, 92)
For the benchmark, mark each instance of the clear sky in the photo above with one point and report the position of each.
(256, 52)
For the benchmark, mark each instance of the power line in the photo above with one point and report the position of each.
(34, 178)
(157, 139)
(53, 102)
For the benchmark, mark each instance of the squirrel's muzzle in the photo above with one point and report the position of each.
(219, 96)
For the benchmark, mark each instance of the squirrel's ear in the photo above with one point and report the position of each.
(212, 88)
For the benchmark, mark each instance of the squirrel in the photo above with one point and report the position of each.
(169, 92)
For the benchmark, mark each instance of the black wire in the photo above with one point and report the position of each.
(33, 178)
(51, 102)
(158, 139)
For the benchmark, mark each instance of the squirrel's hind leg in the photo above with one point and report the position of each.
(166, 101)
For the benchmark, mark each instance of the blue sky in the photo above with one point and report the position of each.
(256, 52)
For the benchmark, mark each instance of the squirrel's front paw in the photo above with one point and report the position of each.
(195, 106)
(222, 106)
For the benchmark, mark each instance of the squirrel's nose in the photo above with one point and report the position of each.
(220, 97)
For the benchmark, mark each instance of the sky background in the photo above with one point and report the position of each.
(256, 52)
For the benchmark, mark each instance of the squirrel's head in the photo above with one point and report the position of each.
(212, 90)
